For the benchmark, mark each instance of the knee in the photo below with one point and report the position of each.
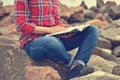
(94, 30)
(51, 41)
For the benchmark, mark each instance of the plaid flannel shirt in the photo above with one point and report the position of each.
(31, 13)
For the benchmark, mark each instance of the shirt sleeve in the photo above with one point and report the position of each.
(21, 15)
(56, 13)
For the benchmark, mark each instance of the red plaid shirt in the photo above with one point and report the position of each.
(31, 13)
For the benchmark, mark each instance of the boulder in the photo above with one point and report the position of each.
(116, 51)
(41, 73)
(113, 34)
(83, 5)
(99, 75)
(104, 43)
(111, 3)
(101, 64)
(115, 12)
(116, 70)
(76, 18)
(100, 3)
(94, 9)
(89, 14)
(106, 54)
(13, 61)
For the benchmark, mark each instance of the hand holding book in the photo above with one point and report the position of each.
(70, 30)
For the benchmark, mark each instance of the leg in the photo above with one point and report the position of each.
(47, 47)
(86, 41)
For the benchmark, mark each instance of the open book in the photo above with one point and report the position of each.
(74, 29)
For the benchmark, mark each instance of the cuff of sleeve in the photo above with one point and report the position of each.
(28, 28)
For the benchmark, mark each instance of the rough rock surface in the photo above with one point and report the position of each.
(99, 75)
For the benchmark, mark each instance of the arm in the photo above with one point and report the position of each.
(21, 15)
(56, 13)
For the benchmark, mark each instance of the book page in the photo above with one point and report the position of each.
(70, 30)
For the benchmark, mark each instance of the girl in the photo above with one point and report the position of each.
(36, 18)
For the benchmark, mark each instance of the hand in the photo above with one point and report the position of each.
(67, 35)
(56, 29)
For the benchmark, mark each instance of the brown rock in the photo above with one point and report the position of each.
(11, 29)
(99, 23)
(1, 3)
(6, 21)
(41, 73)
(111, 3)
(100, 3)
(65, 12)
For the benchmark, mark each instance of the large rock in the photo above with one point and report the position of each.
(116, 51)
(89, 14)
(83, 5)
(106, 54)
(41, 73)
(104, 43)
(99, 75)
(101, 64)
(115, 12)
(13, 60)
(116, 70)
(112, 34)
(111, 3)
(100, 3)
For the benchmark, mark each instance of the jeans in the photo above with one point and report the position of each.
(56, 49)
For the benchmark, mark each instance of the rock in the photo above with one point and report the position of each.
(6, 21)
(111, 3)
(94, 9)
(117, 22)
(116, 70)
(83, 5)
(89, 14)
(101, 64)
(116, 51)
(1, 3)
(113, 34)
(11, 29)
(13, 60)
(76, 18)
(41, 73)
(3, 13)
(65, 12)
(106, 54)
(100, 3)
(104, 43)
(115, 12)
(99, 75)
(100, 24)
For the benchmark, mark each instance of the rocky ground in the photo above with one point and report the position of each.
(16, 65)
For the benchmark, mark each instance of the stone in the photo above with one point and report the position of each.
(41, 73)
(89, 14)
(106, 54)
(99, 23)
(115, 12)
(101, 64)
(99, 75)
(76, 18)
(10, 29)
(111, 3)
(100, 3)
(104, 43)
(112, 34)
(116, 70)
(83, 5)
(116, 51)
(94, 9)
(14, 60)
